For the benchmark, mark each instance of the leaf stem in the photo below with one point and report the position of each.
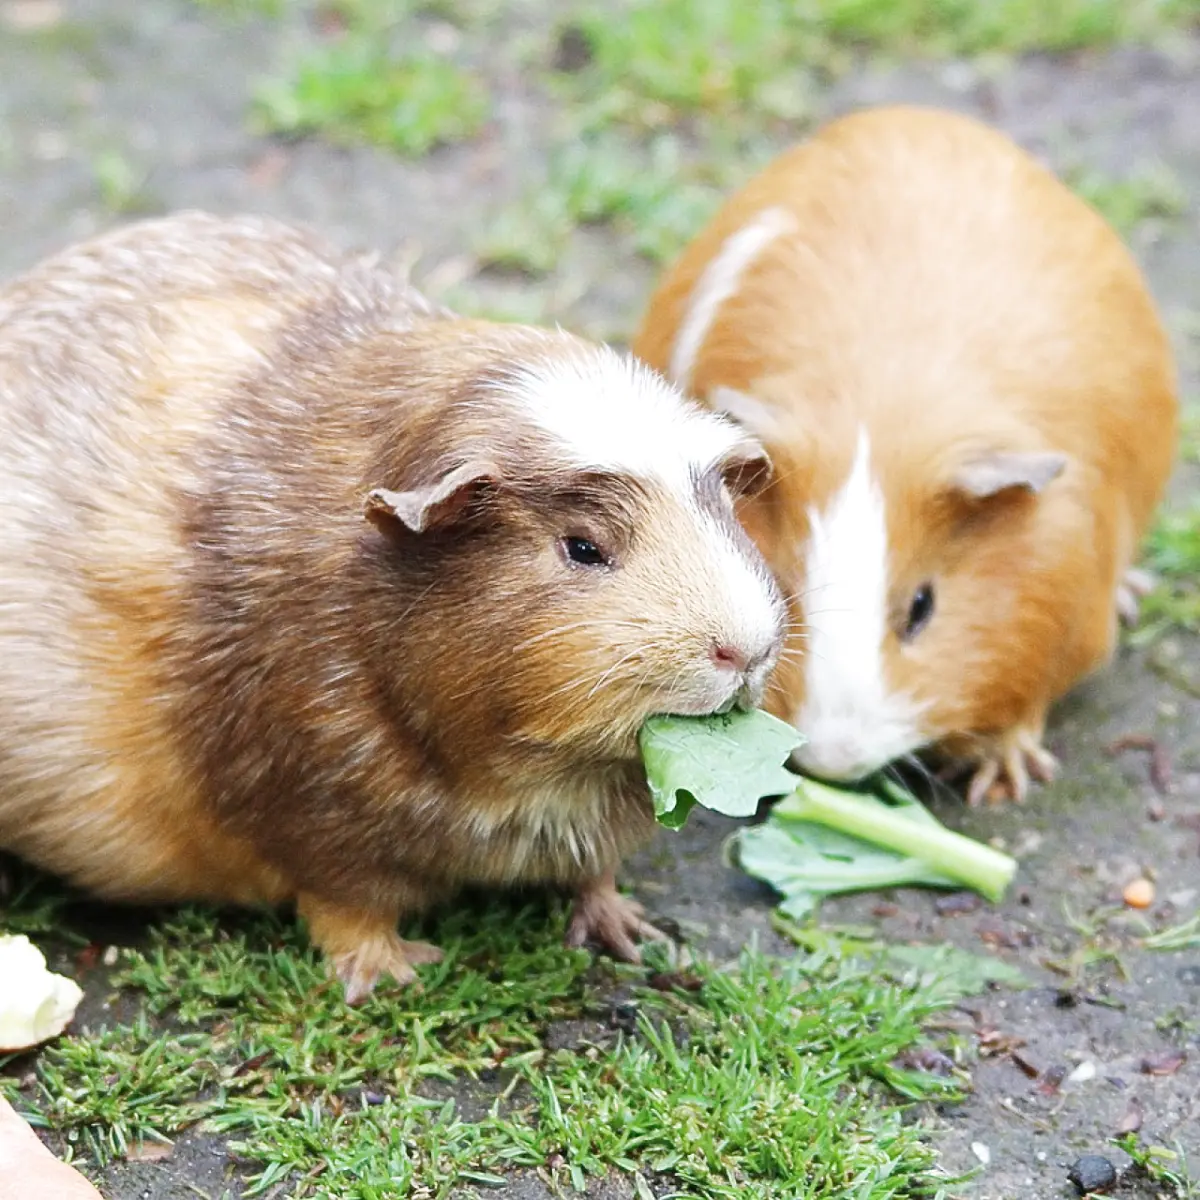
(971, 863)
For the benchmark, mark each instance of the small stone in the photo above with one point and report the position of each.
(1092, 1173)
(111, 954)
(981, 1152)
(1139, 893)
(624, 1016)
(957, 903)
(1084, 1073)
(574, 51)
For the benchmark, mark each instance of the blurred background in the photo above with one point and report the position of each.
(540, 159)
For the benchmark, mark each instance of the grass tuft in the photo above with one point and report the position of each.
(664, 59)
(354, 91)
(373, 74)
(518, 1054)
(652, 196)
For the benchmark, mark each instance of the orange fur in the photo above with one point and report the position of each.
(948, 293)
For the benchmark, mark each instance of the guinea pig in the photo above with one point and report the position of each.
(317, 593)
(970, 404)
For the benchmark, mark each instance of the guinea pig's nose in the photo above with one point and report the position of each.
(731, 658)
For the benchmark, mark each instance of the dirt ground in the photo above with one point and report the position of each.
(168, 89)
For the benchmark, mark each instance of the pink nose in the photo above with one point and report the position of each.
(729, 656)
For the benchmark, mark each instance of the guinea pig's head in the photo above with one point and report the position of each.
(924, 586)
(560, 541)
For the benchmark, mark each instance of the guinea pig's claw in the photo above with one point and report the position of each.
(1007, 773)
(986, 774)
(359, 969)
(602, 915)
(1135, 585)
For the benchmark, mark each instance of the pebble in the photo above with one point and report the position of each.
(1139, 893)
(1084, 1073)
(1092, 1173)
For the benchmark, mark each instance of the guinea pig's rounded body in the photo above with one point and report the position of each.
(970, 403)
(315, 593)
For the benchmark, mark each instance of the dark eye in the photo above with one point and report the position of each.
(919, 611)
(584, 552)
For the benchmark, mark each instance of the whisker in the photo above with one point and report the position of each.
(634, 653)
(549, 633)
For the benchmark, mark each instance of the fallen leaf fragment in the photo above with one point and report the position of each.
(927, 1060)
(1160, 760)
(668, 981)
(149, 1152)
(1166, 1062)
(1025, 1065)
(35, 1004)
(1052, 1081)
(1131, 1120)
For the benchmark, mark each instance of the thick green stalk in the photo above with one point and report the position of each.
(971, 863)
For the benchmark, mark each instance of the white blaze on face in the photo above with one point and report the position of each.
(852, 723)
(718, 281)
(608, 412)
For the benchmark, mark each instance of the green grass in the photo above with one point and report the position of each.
(1152, 193)
(355, 91)
(774, 1077)
(373, 77)
(652, 196)
(1172, 553)
(1162, 1167)
(965, 27)
(664, 59)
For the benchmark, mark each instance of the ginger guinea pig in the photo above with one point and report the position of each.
(316, 593)
(970, 404)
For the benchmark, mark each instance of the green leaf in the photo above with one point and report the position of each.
(1177, 937)
(804, 862)
(727, 762)
(951, 973)
(921, 849)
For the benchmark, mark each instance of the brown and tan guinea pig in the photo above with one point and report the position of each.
(970, 403)
(316, 593)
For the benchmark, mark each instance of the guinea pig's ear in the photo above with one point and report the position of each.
(433, 506)
(745, 410)
(990, 474)
(746, 468)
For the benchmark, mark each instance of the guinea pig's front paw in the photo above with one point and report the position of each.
(1005, 773)
(386, 954)
(362, 945)
(602, 915)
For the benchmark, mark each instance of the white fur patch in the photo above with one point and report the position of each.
(718, 281)
(609, 412)
(852, 723)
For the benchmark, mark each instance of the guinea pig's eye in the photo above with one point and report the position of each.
(919, 611)
(584, 552)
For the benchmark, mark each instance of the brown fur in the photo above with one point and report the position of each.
(950, 294)
(219, 681)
